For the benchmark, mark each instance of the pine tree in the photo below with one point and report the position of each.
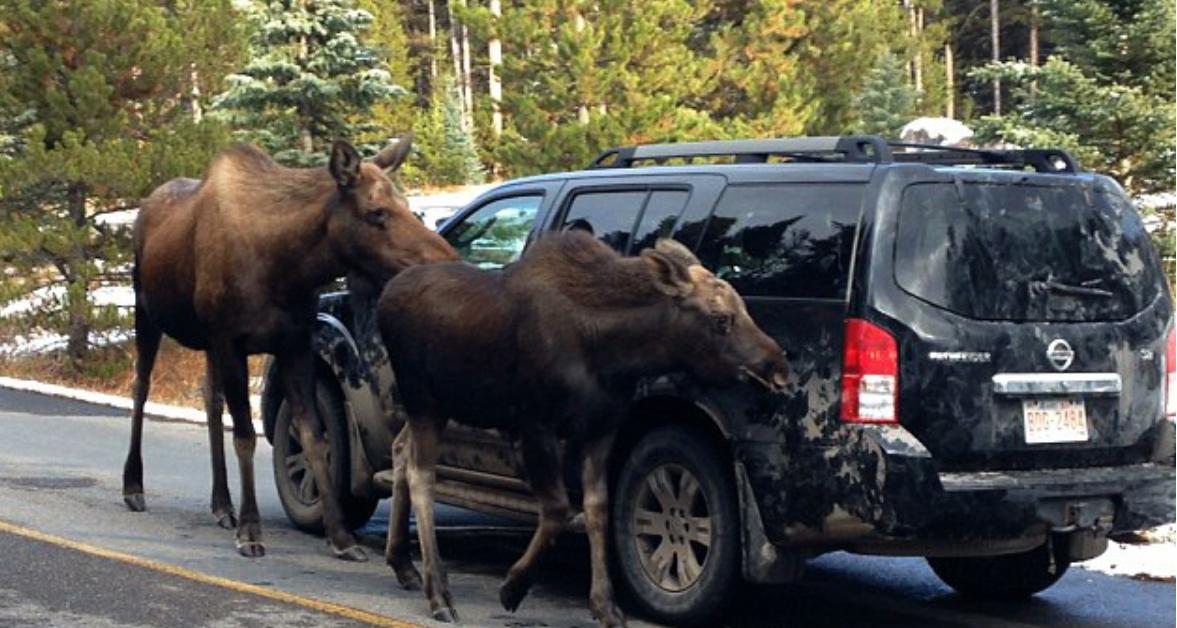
(887, 100)
(99, 97)
(446, 152)
(387, 36)
(579, 76)
(310, 79)
(1105, 93)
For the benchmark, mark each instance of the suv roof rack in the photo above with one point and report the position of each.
(848, 148)
(1050, 160)
(844, 149)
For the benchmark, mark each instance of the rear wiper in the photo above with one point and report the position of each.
(1040, 287)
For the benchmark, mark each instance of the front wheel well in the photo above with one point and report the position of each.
(653, 412)
(272, 394)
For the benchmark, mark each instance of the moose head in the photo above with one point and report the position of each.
(371, 226)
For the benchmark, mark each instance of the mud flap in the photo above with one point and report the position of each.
(762, 562)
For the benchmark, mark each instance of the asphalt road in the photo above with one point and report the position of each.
(100, 565)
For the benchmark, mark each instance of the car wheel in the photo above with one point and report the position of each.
(297, 489)
(1005, 577)
(674, 527)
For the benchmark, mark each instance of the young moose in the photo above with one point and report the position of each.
(552, 347)
(231, 265)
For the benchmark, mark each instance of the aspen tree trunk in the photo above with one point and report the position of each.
(194, 94)
(911, 32)
(949, 83)
(456, 54)
(995, 36)
(582, 112)
(432, 44)
(1034, 42)
(918, 60)
(467, 87)
(494, 81)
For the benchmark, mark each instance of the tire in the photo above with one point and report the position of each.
(297, 489)
(1006, 577)
(674, 589)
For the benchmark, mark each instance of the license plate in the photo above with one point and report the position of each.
(1054, 420)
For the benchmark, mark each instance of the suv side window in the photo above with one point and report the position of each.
(662, 211)
(784, 240)
(495, 234)
(608, 215)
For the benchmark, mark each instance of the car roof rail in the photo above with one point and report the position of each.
(1049, 160)
(838, 149)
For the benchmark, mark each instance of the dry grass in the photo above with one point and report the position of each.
(176, 380)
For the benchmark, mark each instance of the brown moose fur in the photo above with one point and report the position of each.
(550, 348)
(231, 265)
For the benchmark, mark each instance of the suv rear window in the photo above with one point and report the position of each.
(1024, 252)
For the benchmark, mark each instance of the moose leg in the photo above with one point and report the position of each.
(396, 552)
(594, 477)
(542, 462)
(231, 370)
(297, 371)
(147, 337)
(214, 406)
(423, 441)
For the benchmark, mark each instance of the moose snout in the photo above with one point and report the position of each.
(770, 372)
(775, 372)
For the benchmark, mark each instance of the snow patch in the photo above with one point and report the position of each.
(159, 410)
(938, 131)
(1156, 559)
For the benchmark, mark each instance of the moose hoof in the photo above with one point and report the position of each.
(354, 554)
(446, 614)
(512, 592)
(226, 520)
(251, 549)
(408, 577)
(611, 618)
(135, 502)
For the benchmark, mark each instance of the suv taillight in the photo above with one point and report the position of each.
(1171, 375)
(870, 374)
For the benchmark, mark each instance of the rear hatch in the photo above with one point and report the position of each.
(1030, 314)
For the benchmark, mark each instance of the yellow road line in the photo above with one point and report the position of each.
(243, 587)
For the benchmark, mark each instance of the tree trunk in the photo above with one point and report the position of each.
(467, 79)
(910, 65)
(917, 61)
(1034, 42)
(306, 141)
(77, 300)
(582, 111)
(949, 83)
(194, 94)
(494, 82)
(456, 53)
(432, 44)
(995, 36)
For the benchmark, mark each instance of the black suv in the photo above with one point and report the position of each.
(979, 344)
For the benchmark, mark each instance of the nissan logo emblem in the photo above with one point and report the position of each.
(1060, 354)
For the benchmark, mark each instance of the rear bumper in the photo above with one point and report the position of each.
(918, 501)
(879, 490)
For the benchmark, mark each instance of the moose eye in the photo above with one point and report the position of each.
(722, 323)
(377, 216)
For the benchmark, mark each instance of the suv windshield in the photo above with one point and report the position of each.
(1024, 252)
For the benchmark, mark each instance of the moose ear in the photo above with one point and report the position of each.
(670, 276)
(344, 164)
(676, 251)
(391, 158)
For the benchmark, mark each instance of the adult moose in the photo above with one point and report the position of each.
(232, 265)
(550, 348)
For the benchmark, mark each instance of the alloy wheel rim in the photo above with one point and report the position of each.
(298, 472)
(672, 528)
